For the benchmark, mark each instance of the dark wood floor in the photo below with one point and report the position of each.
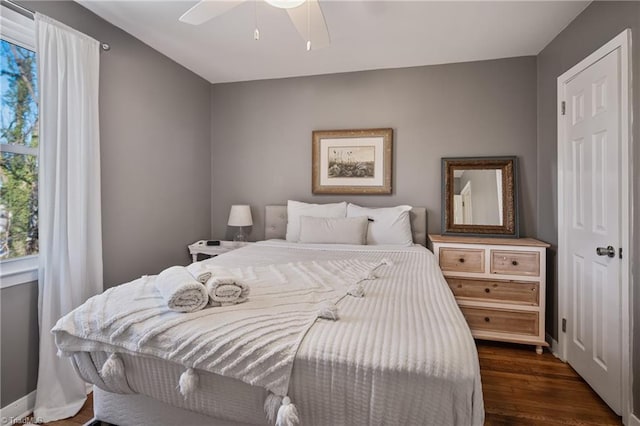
(523, 388)
(520, 388)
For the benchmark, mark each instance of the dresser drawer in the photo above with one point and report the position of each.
(515, 262)
(518, 292)
(501, 321)
(461, 260)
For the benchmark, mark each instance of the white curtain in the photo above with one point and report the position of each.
(69, 205)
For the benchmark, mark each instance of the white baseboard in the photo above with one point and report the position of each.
(634, 420)
(18, 409)
(553, 345)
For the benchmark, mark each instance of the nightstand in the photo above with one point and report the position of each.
(201, 247)
(499, 284)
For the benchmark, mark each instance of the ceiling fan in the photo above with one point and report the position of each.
(306, 16)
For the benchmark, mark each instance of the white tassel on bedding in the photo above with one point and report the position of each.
(188, 382)
(356, 290)
(180, 290)
(328, 311)
(226, 290)
(287, 414)
(113, 367)
(272, 404)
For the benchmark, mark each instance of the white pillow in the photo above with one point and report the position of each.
(334, 230)
(296, 209)
(390, 225)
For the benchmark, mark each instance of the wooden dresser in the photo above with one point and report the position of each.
(499, 284)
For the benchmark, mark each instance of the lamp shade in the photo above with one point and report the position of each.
(240, 215)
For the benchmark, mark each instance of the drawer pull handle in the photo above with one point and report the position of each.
(461, 260)
(487, 290)
(487, 319)
(514, 262)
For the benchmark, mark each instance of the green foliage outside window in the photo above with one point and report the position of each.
(19, 160)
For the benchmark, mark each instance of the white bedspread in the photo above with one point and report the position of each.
(254, 342)
(403, 354)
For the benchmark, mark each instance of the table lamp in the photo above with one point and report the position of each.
(240, 216)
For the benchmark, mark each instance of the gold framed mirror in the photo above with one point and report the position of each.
(480, 196)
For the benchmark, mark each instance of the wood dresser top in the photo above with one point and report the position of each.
(460, 239)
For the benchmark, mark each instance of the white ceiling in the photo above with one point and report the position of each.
(364, 34)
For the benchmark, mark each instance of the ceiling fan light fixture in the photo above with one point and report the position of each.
(285, 4)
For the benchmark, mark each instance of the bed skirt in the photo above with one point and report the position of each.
(140, 410)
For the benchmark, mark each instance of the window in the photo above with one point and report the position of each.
(18, 147)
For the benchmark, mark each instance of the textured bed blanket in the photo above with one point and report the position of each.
(401, 355)
(254, 342)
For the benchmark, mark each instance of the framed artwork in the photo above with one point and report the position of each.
(352, 161)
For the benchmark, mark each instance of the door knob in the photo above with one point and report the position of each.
(606, 251)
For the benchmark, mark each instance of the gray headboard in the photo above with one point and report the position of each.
(275, 223)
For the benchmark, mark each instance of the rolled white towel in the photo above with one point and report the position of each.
(202, 271)
(181, 291)
(226, 290)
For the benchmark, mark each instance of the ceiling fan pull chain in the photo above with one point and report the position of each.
(256, 32)
(308, 25)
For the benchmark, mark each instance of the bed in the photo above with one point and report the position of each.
(403, 354)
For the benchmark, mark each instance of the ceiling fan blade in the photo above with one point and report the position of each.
(314, 28)
(208, 9)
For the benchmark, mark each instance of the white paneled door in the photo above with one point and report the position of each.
(591, 191)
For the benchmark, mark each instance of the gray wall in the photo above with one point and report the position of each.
(261, 132)
(19, 335)
(596, 25)
(156, 176)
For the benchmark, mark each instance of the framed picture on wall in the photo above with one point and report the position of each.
(352, 161)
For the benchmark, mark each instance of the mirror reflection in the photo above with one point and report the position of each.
(477, 197)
